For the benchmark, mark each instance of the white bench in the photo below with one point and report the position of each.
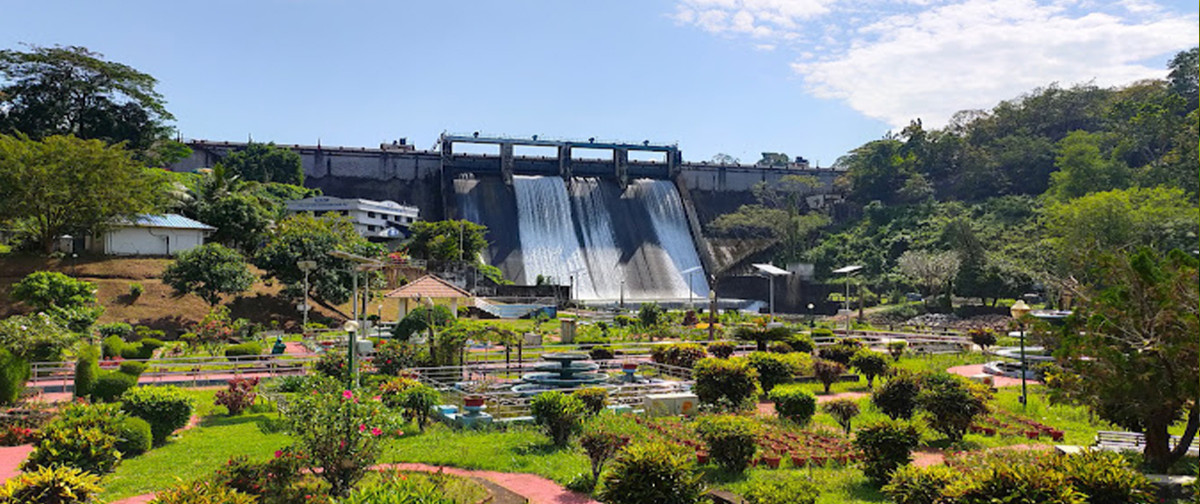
(1134, 441)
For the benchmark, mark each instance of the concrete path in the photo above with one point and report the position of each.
(11, 458)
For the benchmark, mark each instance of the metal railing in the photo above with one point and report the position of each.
(184, 371)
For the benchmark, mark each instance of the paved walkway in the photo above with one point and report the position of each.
(11, 458)
(1000, 381)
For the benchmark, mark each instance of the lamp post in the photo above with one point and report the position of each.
(712, 314)
(847, 270)
(351, 327)
(1018, 311)
(689, 272)
(428, 303)
(811, 322)
(306, 266)
(365, 264)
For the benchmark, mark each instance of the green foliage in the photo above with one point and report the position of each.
(118, 329)
(1105, 478)
(652, 472)
(842, 410)
(247, 349)
(238, 395)
(448, 240)
(165, 408)
(594, 398)
(827, 372)
(952, 403)
(112, 346)
(896, 349)
(678, 354)
(338, 434)
(136, 289)
(885, 445)
(414, 398)
(559, 415)
(920, 485)
(730, 440)
(333, 363)
(87, 370)
(43, 289)
(897, 397)
(209, 271)
(760, 335)
(392, 357)
(418, 320)
(35, 337)
(1019, 483)
(782, 491)
(870, 363)
(773, 369)
(721, 349)
(134, 437)
(51, 485)
(105, 184)
(725, 383)
(1083, 169)
(650, 314)
(111, 384)
(603, 436)
(304, 237)
(800, 342)
(397, 489)
(841, 352)
(14, 372)
(201, 492)
(134, 369)
(82, 436)
(983, 337)
(265, 163)
(277, 480)
(794, 402)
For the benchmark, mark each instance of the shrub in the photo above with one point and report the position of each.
(870, 364)
(111, 384)
(136, 290)
(773, 369)
(14, 372)
(247, 349)
(134, 369)
(1106, 478)
(594, 398)
(652, 472)
(43, 289)
(201, 492)
(920, 485)
(1019, 483)
(401, 489)
(730, 440)
(238, 396)
(897, 397)
(601, 439)
(885, 446)
(721, 349)
(983, 337)
(112, 346)
(82, 436)
(952, 403)
(680, 354)
(560, 415)
(897, 348)
(785, 491)
(725, 383)
(278, 480)
(149, 346)
(418, 401)
(779, 347)
(51, 485)
(166, 408)
(601, 353)
(393, 357)
(118, 329)
(842, 410)
(794, 403)
(801, 342)
(333, 364)
(827, 372)
(841, 352)
(337, 434)
(134, 437)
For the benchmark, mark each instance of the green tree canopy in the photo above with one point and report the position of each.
(63, 184)
(44, 289)
(266, 163)
(209, 271)
(48, 91)
(241, 219)
(447, 240)
(1084, 169)
(305, 237)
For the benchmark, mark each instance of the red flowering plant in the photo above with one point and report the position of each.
(213, 331)
(338, 433)
(239, 396)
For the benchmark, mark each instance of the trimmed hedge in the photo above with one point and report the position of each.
(134, 437)
(794, 402)
(165, 408)
(725, 383)
(240, 350)
(111, 384)
(87, 371)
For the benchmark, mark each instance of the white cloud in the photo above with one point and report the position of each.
(906, 59)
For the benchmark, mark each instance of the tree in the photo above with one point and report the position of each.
(1083, 169)
(209, 271)
(447, 240)
(1132, 356)
(931, 270)
(265, 163)
(50, 91)
(305, 237)
(760, 334)
(44, 289)
(63, 184)
(1185, 75)
(724, 159)
(241, 220)
(952, 403)
(871, 364)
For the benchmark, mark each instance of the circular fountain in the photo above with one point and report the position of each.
(1033, 355)
(560, 371)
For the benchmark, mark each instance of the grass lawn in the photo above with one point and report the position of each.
(515, 449)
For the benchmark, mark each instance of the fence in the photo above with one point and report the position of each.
(184, 371)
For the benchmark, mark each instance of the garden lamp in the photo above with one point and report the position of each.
(1018, 311)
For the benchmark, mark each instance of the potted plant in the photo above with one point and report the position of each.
(701, 457)
(629, 366)
(799, 459)
(476, 389)
(772, 460)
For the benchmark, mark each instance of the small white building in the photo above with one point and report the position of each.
(372, 219)
(152, 235)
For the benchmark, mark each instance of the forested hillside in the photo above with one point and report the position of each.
(1025, 195)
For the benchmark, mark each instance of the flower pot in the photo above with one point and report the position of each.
(701, 457)
(629, 366)
(1056, 435)
(474, 401)
(989, 431)
(1031, 434)
(818, 460)
(772, 461)
(799, 461)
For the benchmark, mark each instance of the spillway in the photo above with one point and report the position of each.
(609, 241)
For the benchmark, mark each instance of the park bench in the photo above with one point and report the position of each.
(1133, 441)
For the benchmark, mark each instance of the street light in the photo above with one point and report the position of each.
(428, 302)
(351, 327)
(847, 270)
(771, 271)
(1018, 311)
(712, 314)
(306, 266)
(365, 264)
(689, 273)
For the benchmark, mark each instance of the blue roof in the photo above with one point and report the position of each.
(173, 221)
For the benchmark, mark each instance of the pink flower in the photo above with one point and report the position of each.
(375, 431)
(347, 394)
(278, 453)
(376, 398)
(361, 427)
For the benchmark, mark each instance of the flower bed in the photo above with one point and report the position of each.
(775, 444)
(1004, 423)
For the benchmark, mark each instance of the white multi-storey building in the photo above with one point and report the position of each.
(372, 219)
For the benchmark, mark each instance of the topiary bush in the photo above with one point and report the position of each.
(800, 342)
(118, 329)
(112, 346)
(559, 415)
(773, 369)
(721, 349)
(920, 485)
(897, 348)
(652, 472)
(149, 346)
(782, 491)
(730, 440)
(111, 384)
(794, 402)
(243, 350)
(14, 372)
(87, 370)
(827, 372)
(594, 398)
(165, 408)
(83, 436)
(842, 351)
(133, 437)
(871, 364)
(729, 384)
(51, 485)
(842, 410)
(897, 397)
(201, 492)
(134, 369)
(885, 446)
(952, 403)
(780, 347)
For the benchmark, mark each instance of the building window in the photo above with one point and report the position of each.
(371, 228)
(370, 215)
(344, 213)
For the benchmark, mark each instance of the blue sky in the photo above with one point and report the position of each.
(807, 77)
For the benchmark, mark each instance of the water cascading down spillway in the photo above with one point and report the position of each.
(609, 242)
